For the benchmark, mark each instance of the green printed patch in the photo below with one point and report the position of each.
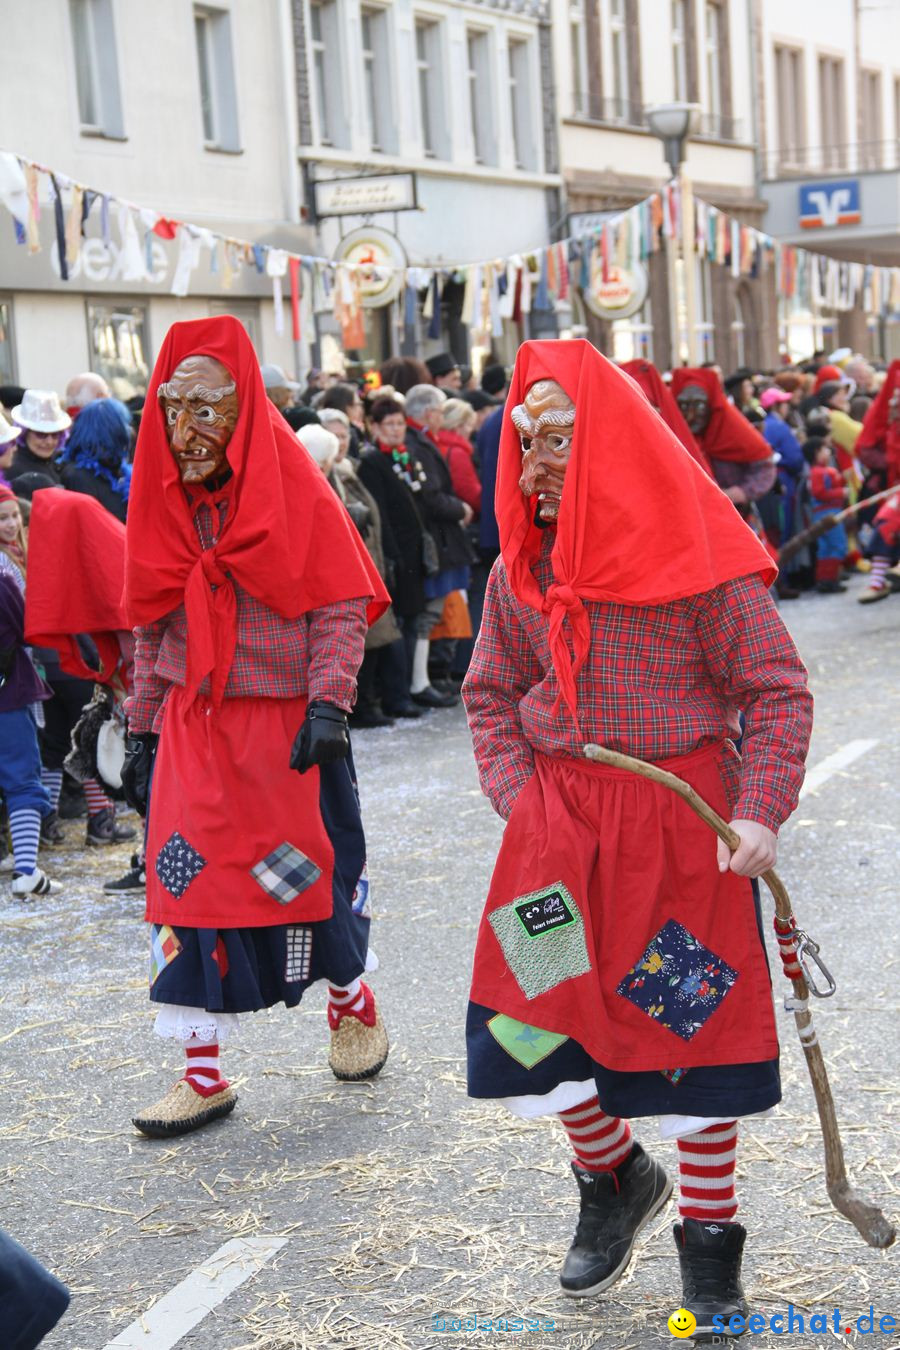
(542, 937)
(528, 1045)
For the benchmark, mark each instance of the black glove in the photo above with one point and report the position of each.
(322, 739)
(139, 752)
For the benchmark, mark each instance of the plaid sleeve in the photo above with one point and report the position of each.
(502, 671)
(337, 639)
(753, 659)
(149, 688)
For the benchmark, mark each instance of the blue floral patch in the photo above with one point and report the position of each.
(177, 864)
(678, 982)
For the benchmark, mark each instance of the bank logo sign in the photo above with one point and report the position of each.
(825, 205)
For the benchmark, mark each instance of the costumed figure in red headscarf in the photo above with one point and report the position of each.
(878, 446)
(658, 393)
(741, 459)
(619, 969)
(251, 593)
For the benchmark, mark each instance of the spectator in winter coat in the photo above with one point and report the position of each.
(43, 424)
(95, 458)
(458, 423)
(791, 464)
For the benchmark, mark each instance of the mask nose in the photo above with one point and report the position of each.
(182, 432)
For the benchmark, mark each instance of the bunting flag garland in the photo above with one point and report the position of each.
(494, 290)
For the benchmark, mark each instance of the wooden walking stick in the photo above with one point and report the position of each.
(825, 523)
(866, 1217)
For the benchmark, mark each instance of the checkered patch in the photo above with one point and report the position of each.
(177, 864)
(678, 981)
(299, 954)
(285, 873)
(362, 898)
(164, 947)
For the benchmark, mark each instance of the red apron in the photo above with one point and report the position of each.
(235, 836)
(608, 921)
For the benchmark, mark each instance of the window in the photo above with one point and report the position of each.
(831, 111)
(215, 68)
(520, 104)
(326, 44)
(578, 56)
(791, 134)
(376, 76)
(713, 59)
(118, 338)
(428, 69)
(96, 68)
(480, 99)
(872, 130)
(679, 50)
(619, 40)
(7, 346)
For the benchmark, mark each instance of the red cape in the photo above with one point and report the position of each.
(287, 539)
(640, 522)
(729, 435)
(76, 571)
(877, 430)
(659, 395)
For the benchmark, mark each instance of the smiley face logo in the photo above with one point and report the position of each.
(682, 1323)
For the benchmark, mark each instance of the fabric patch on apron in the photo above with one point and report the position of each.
(285, 873)
(362, 896)
(678, 981)
(528, 1045)
(164, 947)
(177, 864)
(542, 938)
(299, 953)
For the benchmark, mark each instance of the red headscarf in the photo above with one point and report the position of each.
(286, 537)
(76, 571)
(878, 431)
(640, 522)
(826, 373)
(659, 395)
(729, 435)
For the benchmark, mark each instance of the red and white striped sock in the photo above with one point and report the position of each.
(95, 797)
(202, 1069)
(706, 1167)
(600, 1142)
(355, 1000)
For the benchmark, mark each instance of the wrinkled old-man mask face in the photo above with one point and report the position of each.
(694, 404)
(545, 423)
(200, 406)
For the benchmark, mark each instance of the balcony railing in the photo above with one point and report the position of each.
(856, 157)
(618, 112)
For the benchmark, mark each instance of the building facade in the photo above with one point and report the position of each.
(187, 109)
(830, 152)
(459, 95)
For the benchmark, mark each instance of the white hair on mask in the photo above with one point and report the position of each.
(321, 443)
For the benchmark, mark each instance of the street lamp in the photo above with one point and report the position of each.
(672, 123)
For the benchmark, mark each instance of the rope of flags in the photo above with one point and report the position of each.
(494, 289)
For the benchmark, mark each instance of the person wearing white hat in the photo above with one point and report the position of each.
(43, 421)
(8, 437)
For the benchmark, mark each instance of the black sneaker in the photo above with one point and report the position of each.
(407, 711)
(52, 833)
(103, 829)
(614, 1208)
(135, 879)
(430, 698)
(710, 1257)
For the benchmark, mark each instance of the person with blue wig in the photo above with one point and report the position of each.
(95, 459)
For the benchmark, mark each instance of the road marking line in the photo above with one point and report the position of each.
(179, 1311)
(832, 764)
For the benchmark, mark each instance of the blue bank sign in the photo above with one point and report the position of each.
(829, 204)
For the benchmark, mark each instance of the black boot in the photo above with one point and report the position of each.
(104, 829)
(614, 1208)
(52, 833)
(710, 1256)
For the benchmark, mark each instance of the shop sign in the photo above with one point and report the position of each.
(621, 295)
(366, 195)
(380, 258)
(825, 205)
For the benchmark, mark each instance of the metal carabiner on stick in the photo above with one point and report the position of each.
(807, 947)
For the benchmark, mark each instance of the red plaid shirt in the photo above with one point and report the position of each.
(316, 656)
(660, 681)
